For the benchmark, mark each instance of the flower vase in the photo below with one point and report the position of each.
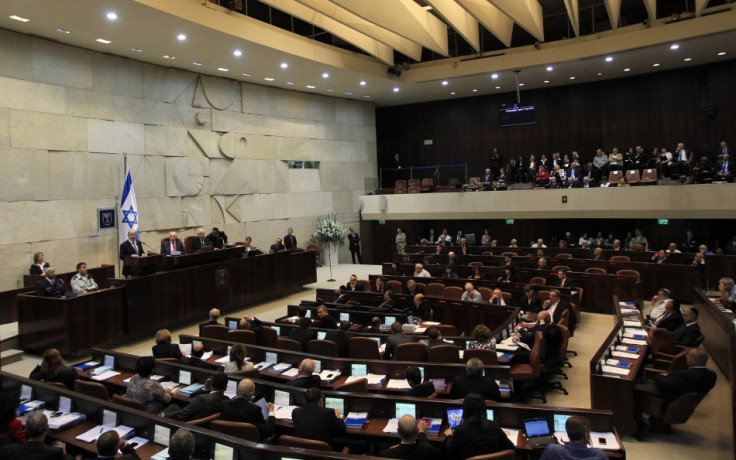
(331, 257)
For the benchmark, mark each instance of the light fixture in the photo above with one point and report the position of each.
(366, 96)
(600, 73)
(688, 59)
(64, 31)
(237, 53)
(722, 53)
(452, 93)
(609, 58)
(284, 65)
(362, 83)
(546, 81)
(223, 69)
(521, 84)
(136, 50)
(494, 76)
(246, 75)
(550, 68)
(445, 83)
(166, 56)
(196, 63)
(181, 37)
(396, 89)
(572, 78)
(498, 87)
(348, 93)
(656, 64)
(311, 86)
(18, 18)
(102, 40)
(475, 90)
(626, 69)
(332, 90)
(674, 46)
(289, 82)
(325, 75)
(268, 78)
(112, 15)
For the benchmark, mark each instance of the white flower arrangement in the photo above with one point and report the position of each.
(328, 229)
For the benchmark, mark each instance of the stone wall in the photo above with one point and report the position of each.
(202, 150)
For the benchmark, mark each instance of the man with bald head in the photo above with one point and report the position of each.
(108, 444)
(470, 294)
(242, 409)
(414, 443)
(420, 272)
(422, 309)
(195, 359)
(49, 285)
(542, 264)
(306, 378)
(497, 297)
(214, 316)
(172, 246)
(201, 241)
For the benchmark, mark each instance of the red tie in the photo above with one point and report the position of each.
(173, 246)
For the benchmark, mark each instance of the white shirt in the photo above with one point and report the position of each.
(658, 309)
(552, 308)
(82, 284)
(535, 245)
(422, 274)
(474, 297)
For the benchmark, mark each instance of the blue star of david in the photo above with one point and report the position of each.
(126, 217)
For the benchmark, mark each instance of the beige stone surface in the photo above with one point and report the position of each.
(198, 211)
(160, 212)
(64, 254)
(290, 205)
(169, 141)
(191, 117)
(273, 176)
(84, 217)
(17, 259)
(153, 169)
(257, 207)
(89, 104)
(232, 145)
(304, 180)
(115, 137)
(239, 177)
(4, 127)
(220, 93)
(207, 143)
(31, 96)
(251, 124)
(185, 176)
(166, 84)
(34, 130)
(82, 175)
(14, 55)
(342, 202)
(24, 174)
(136, 110)
(62, 65)
(344, 176)
(255, 99)
(40, 221)
(118, 75)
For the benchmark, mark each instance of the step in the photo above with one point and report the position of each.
(10, 356)
(8, 336)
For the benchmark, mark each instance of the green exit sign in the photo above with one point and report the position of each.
(663, 221)
(509, 221)
(381, 222)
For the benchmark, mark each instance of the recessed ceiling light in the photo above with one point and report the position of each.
(688, 59)
(348, 93)
(332, 90)
(181, 37)
(396, 89)
(18, 18)
(247, 75)
(609, 58)
(722, 53)
(445, 83)
(546, 81)
(550, 68)
(112, 15)
(366, 96)
(475, 90)
(284, 65)
(521, 84)
(362, 83)
(674, 46)
(289, 82)
(136, 50)
(626, 69)
(600, 73)
(498, 87)
(166, 56)
(64, 31)
(494, 76)
(223, 69)
(196, 63)
(452, 93)
(656, 64)
(268, 78)
(572, 78)
(102, 40)
(311, 86)
(325, 75)
(237, 53)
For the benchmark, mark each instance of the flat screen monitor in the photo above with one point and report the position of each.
(389, 320)
(358, 370)
(454, 418)
(344, 316)
(65, 404)
(277, 329)
(26, 393)
(401, 409)
(161, 435)
(281, 398)
(185, 377)
(335, 403)
(377, 339)
(559, 421)
(317, 366)
(272, 357)
(489, 414)
(232, 324)
(223, 452)
(309, 314)
(321, 335)
(109, 361)
(516, 115)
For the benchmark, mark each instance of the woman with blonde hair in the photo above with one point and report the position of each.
(164, 348)
(39, 265)
(52, 368)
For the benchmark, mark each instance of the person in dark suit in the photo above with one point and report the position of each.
(277, 247)
(306, 378)
(37, 427)
(290, 239)
(418, 388)
(340, 337)
(217, 237)
(108, 444)
(475, 382)
(556, 307)
(207, 404)
(353, 285)
(530, 303)
(38, 264)
(724, 170)
(434, 338)
(164, 348)
(303, 334)
(563, 281)
(316, 422)
(196, 358)
(412, 289)
(380, 286)
(354, 245)
(578, 432)
(396, 338)
(486, 180)
(374, 326)
(52, 368)
(598, 254)
(671, 319)
(172, 245)
(214, 315)
(688, 333)
(476, 435)
(241, 409)
(388, 304)
(200, 241)
(324, 319)
(422, 308)
(50, 286)
(130, 247)
(414, 444)
(551, 336)
(181, 445)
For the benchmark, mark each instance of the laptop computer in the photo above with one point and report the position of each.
(107, 365)
(537, 433)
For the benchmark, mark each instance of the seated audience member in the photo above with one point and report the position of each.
(412, 289)
(696, 378)
(49, 285)
(552, 184)
(146, 391)
(237, 360)
(476, 435)
(172, 246)
(52, 368)
(420, 272)
(513, 243)
(164, 348)
(306, 378)
(598, 254)
(316, 422)
(206, 404)
(39, 265)
(688, 333)
(530, 303)
(578, 431)
(727, 287)
(217, 237)
(422, 308)
(249, 246)
(388, 304)
(475, 382)
(672, 249)
(250, 323)
(380, 286)
(507, 261)
(477, 274)
(242, 409)
(108, 444)
(588, 183)
(617, 245)
(470, 294)
(563, 281)
(542, 178)
(303, 334)
(82, 282)
(195, 358)
(414, 444)
(374, 326)
(449, 274)
(181, 445)
(340, 337)
(37, 428)
(724, 169)
(434, 338)
(508, 275)
(486, 180)
(542, 264)
(397, 337)
(551, 334)
(278, 246)
(420, 389)
(353, 285)
(497, 297)
(201, 241)
(671, 319)
(659, 303)
(482, 338)
(324, 319)
(556, 307)
(10, 425)
(703, 249)
(214, 316)
(699, 264)
(661, 257)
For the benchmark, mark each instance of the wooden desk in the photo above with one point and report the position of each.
(99, 274)
(199, 258)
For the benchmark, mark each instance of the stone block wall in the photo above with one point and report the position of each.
(202, 150)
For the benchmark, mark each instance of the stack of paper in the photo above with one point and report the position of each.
(618, 363)
(638, 334)
(624, 354)
(125, 432)
(604, 440)
(64, 420)
(137, 441)
(280, 367)
(29, 406)
(614, 370)
(163, 455)
(105, 375)
(512, 434)
(168, 385)
(630, 341)
(223, 360)
(263, 365)
(283, 412)
(356, 419)
(328, 375)
(293, 372)
(392, 426)
(375, 379)
(398, 384)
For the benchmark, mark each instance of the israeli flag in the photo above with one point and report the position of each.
(128, 209)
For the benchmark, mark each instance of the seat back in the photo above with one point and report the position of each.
(543, 296)
(242, 336)
(133, 403)
(679, 362)
(535, 357)
(564, 341)
(629, 273)
(620, 259)
(538, 280)
(204, 422)
(649, 176)
(447, 330)
(596, 270)
(435, 290)
(215, 331)
(508, 454)
(94, 389)
(452, 292)
(302, 443)
(444, 354)
(413, 182)
(564, 255)
(399, 190)
(427, 184)
(322, 347)
(411, 352)
(363, 348)
(285, 343)
(268, 337)
(400, 183)
(660, 341)
(680, 409)
(632, 176)
(509, 253)
(561, 267)
(366, 285)
(485, 293)
(356, 386)
(414, 189)
(241, 430)
(395, 286)
(314, 248)
(476, 264)
(614, 177)
(474, 183)
(489, 357)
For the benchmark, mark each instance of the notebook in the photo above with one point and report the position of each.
(537, 433)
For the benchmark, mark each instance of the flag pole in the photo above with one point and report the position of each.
(118, 222)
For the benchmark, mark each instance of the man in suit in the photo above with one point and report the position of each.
(422, 309)
(353, 285)
(277, 247)
(214, 316)
(687, 334)
(316, 422)
(551, 335)
(475, 382)
(354, 244)
(207, 404)
(724, 149)
(130, 247)
(49, 286)
(452, 259)
(724, 171)
(661, 257)
(303, 334)
(196, 360)
(542, 264)
(412, 289)
(241, 409)
(690, 244)
(324, 319)
(598, 254)
(530, 303)
(172, 245)
(659, 304)
(414, 444)
(200, 241)
(217, 237)
(486, 180)
(578, 432)
(419, 389)
(306, 378)
(682, 158)
(388, 304)
(508, 262)
(563, 281)
(380, 286)
(108, 444)
(340, 337)
(290, 239)
(556, 306)
(396, 338)
(671, 319)
(434, 338)
(37, 427)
